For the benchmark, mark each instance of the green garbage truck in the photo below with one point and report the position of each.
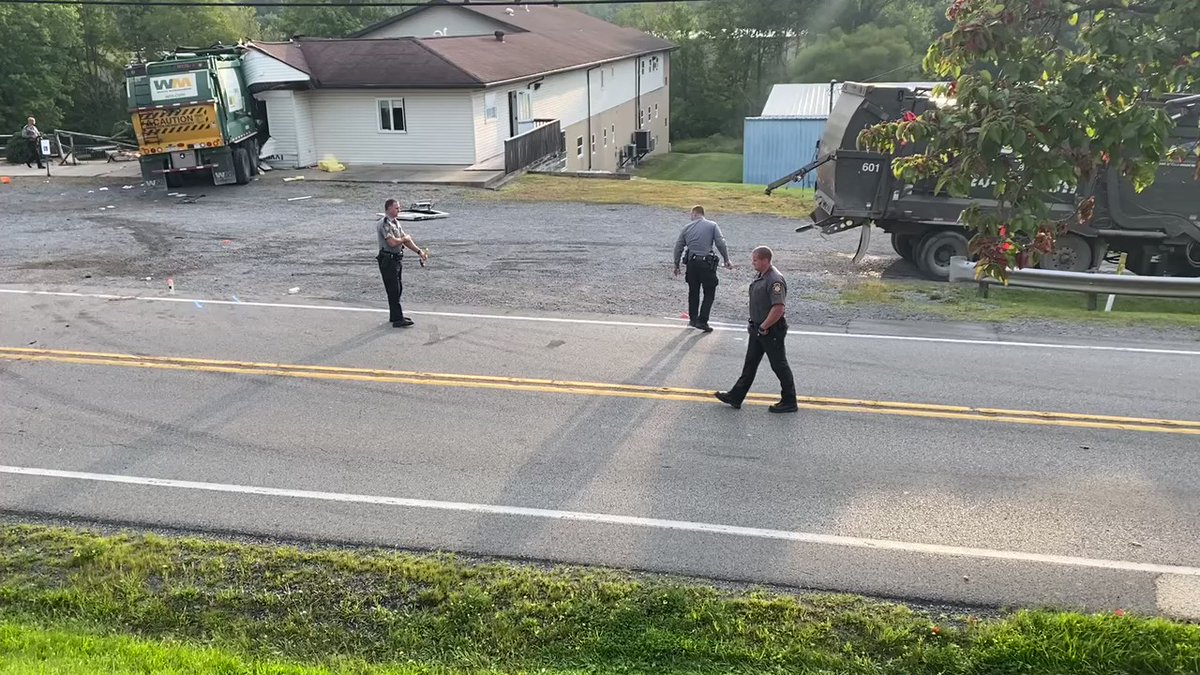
(192, 113)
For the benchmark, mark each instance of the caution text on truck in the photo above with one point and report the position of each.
(182, 128)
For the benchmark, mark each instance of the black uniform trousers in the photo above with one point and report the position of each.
(35, 148)
(391, 268)
(770, 344)
(701, 274)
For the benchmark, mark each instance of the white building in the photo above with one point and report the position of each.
(450, 84)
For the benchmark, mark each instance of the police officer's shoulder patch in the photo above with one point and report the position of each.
(777, 287)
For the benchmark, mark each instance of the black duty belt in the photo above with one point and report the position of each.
(389, 253)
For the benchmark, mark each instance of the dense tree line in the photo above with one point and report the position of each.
(64, 64)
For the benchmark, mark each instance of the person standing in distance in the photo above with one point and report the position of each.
(768, 328)
(392, 241)
(699, 236)
(34, 138)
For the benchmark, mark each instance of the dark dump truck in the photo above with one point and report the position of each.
(1158, 228)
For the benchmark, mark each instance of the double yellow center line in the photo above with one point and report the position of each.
(928, 410)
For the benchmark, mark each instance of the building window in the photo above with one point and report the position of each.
(641, 117)
(655, 111)
(601, 78)
(604, 136)
(391, 115)
(490, 114)
(593, 144)
(579, 146)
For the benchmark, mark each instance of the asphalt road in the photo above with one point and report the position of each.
(582, 439)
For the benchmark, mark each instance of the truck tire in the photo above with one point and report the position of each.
(241, 165)
(905, 245)
(935, 250)
(1072, 253)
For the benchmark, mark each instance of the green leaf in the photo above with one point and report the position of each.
(1074, 20)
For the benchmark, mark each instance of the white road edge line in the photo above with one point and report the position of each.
(624, 324)
(609, 519)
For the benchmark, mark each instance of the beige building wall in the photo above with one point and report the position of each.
(613, 129)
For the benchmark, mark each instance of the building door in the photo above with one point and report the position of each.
(520, 112)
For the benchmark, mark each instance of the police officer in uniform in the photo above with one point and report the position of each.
(768, 328)
(699, 236)
(392, 241)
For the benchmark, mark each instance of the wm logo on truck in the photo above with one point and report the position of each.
(171, 87)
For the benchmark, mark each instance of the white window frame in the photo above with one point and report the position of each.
(391, 103)
(491, 112)
(593, 144)
(579, 146)
(655, 111)
(604, 136)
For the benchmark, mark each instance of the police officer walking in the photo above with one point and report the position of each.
(768, 328)
(392, 241)
(699, 236)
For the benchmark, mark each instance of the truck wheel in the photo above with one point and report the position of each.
(1072, 253)
(935, 250)
(905, 245)
(241, 165)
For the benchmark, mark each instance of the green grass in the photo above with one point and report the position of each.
(963, 303)
(717, 143)
(86, 603)
(708, 167)
(717, 198)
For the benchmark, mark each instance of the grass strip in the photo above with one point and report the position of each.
(963, 303)
(359, 611)
(707, 167)
(717, 198)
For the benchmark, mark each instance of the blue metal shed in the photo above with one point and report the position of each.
(784, 137)
(773, 147)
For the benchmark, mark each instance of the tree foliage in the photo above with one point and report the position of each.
(1045, 92)
(39, 72)
(865, 53)
(63, 64)
(332, 21)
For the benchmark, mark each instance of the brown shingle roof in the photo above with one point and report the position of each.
(396, 63)
(547, 39)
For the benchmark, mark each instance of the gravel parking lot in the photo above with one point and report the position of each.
(253, 242)
(578, 258)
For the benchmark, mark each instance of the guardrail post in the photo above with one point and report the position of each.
(1093, 302)
(983, 289)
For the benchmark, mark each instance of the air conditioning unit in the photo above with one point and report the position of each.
(641, 139)
(631, 150)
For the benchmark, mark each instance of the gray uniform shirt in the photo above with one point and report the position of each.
(766, 290)
(700, 236)
(386, 228)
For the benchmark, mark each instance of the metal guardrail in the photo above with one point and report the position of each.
(1094, 285)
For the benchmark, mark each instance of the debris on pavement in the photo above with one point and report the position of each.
(296, 199)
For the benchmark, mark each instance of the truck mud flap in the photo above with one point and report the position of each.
(152, 172)
(864, 241)
(222, 168)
